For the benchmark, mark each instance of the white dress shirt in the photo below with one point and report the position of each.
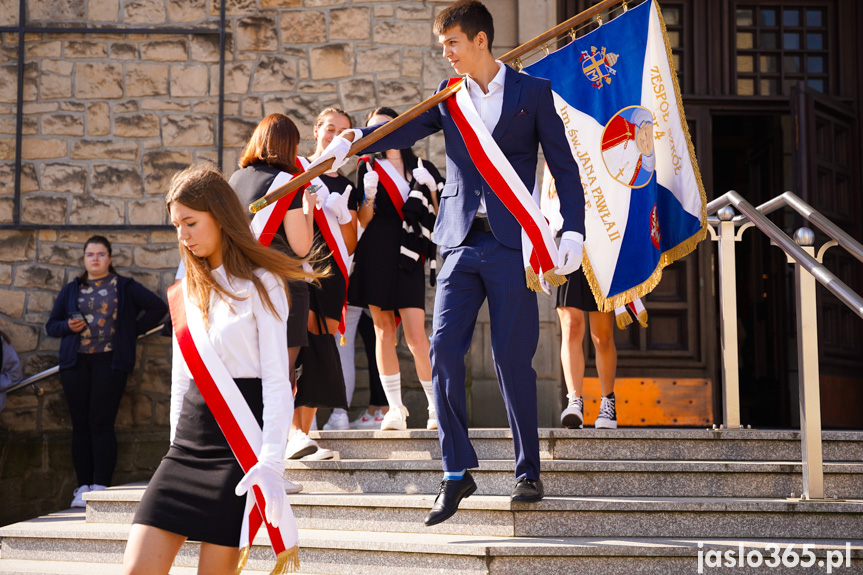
(252, 343)
(488, 105)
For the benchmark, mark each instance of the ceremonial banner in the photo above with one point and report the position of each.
(619, 100)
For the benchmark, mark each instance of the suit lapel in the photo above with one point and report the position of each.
(511, 99)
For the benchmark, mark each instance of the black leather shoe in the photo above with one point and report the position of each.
(527, 490)
(452, 491)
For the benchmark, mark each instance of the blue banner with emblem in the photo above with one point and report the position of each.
(616, 91)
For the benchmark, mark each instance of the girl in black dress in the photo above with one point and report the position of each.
(388, 275)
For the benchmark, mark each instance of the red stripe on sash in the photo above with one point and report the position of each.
(329, 238)
(391, 188)
(277, 216)
(219, 407)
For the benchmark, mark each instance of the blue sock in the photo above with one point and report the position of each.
(453, 474)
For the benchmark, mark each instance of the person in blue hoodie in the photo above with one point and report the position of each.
(99, 316)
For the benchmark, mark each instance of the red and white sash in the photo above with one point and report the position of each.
(398, 189)
(236, 421)
(538, 248)
(332, 234)
(636, 308)
(266, 222)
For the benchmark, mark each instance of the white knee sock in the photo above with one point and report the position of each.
(392, 385)
(429, 391)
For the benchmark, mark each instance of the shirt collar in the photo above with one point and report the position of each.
(497, 83)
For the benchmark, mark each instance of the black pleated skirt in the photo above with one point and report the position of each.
(576, 292)
(192, 491)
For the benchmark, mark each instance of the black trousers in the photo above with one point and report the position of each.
(366, 329)
(93, 392)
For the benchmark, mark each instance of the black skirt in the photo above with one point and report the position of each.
(298, 314)
(576, 292)
(192, 491)
(330, 296)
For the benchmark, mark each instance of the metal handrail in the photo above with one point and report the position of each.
(836, 286)
(51, 371)
(810, 214)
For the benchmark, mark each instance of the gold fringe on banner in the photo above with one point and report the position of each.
(623, 320)
(288, 561)
(553, 278)
(642, 318)
(244, 556)
(532, 279)
(343, 342)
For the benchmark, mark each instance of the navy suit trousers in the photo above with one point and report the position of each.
(480, 268)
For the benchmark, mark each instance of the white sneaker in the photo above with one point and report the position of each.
(573, 416)
(97, 487)
(319, 455)
(607, 418)
(368, 420)
(432, 422)
(337, 422)
(291, 487)
(300, 445)
(77, 496)
(396, 419)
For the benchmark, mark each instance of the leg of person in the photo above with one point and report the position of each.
(514, 324)
(377, 397)
(347, 356)
(414, 325)
(602, 334)
(388, 366)
(218, 559)
(572, 361)
(76, 389)
(150, 550)
(107, 388)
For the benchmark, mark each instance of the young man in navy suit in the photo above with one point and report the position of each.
(480, 243)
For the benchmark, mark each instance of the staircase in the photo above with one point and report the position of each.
(617, 502)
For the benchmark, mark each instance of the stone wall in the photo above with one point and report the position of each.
(108, 118)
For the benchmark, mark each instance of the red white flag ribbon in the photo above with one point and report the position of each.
(537, 240)
(236, 421)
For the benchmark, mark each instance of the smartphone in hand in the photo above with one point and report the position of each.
(77, 315)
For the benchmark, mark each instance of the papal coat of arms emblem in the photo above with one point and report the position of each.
(598, 66)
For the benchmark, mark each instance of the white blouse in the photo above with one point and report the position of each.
(252, 343)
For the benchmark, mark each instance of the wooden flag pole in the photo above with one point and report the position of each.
(425, 105)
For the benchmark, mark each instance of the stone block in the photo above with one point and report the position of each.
(26, 337)
(189, 81)
(186, 10)
(7, 207)
(50, 49)
(98, 80)
(116, 180)
(235, 8)
(412, 65)
(146, 80)
(137, 126)
(29, 127)
(5, 274)
(357, 94)
(144, 12)
(31, 108)
(322, 3)
(63, 125)
(61, 67)
(435, 69)
(384, 11)
(332, 61)
(160, 237)
(238, 132)
(403, 33)
(251, 107)
(165, 105)
(98, 119)
(147, 213)
(301, 110)
(256, 33)
(187, 131)
(52, 86)
(303, 27)
(142, 409)
(12, 302)
(399, 92)
(275, 74)
(125, 107)
(281, 3)
(317, 87)
(104, 149)
(236, 79)
(38, 276)
(71, 106)
(40, 149)
(43, 210)
(418, 12)
(160, 167)
(56, 10)
(64, 178)
(7, 149)
(28, 179)
(151, 280)
(206, 48)
(9, 82)
(87, 210)
(374, 60)
(168, 50)
(59, 254)
(104, 10)
(157, 257)
(350, 24)
(124, 51)
(86, 49)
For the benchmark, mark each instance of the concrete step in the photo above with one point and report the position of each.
(36, 567)
(67, 537)
(659, 444)
(553, 517)
(584, 478)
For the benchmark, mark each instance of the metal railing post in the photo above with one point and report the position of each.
(809, 387)
(727, 237)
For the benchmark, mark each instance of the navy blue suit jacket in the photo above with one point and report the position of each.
(528, 119)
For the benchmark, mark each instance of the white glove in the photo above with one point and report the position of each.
(321, 195)
(370, 182)
(269, 477)
(546, 289)
(424, 177)
(338, 205)
(339, 150)
(570, 252)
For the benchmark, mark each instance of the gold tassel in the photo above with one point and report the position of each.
(288, 561)
(244, 556)
(343, 342)
(642, 318)
(553, 278)
(532, 279)
(623, 320)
